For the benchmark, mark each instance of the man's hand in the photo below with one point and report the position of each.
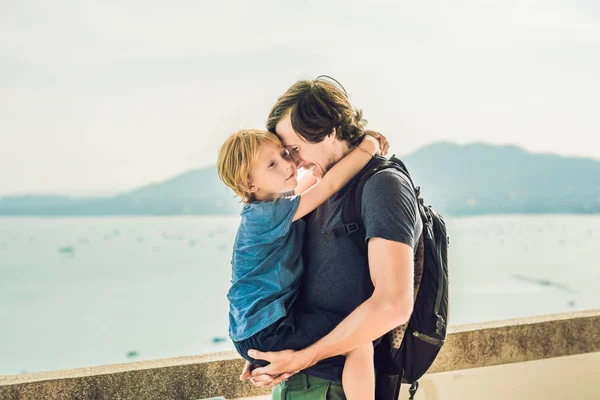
(285, 362)
(261, 380)
(383, 143)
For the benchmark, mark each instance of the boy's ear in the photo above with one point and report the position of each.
(249, 187)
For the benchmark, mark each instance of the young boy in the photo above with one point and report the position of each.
(267, 253)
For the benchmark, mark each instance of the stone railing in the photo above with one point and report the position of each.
(467, 347)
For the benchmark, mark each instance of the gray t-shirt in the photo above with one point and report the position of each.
(336, 276)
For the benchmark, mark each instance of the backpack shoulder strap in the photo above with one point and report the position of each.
(352, 214)
(352, 208)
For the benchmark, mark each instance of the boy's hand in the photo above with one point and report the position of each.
(383, 143)
(370, 145)
(246, 372)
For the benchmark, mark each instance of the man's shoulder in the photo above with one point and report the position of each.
(386, 191)
(389, 179)
(389, 207)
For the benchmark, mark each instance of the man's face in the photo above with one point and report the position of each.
(321, 156)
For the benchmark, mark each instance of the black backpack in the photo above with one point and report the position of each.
(406, 353)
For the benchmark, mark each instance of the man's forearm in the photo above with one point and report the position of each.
(392, 273)
(391, 268)
(369, 321)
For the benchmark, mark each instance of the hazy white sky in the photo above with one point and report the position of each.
(97, 97)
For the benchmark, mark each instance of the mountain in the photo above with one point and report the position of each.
(195, 192)
(485, 179)
(456, 179)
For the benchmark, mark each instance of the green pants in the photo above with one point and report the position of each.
(305, 387)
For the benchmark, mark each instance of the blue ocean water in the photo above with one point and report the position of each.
(79, 292)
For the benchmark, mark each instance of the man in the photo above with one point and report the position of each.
(370, 296)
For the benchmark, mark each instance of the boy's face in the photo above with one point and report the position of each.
(273, 173)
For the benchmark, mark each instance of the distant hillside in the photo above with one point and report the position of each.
(458, 180)
(485, 179)
(195, 192)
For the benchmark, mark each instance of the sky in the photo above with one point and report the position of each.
(102, 97)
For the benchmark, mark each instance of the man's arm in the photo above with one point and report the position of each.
(392, 223)
(391, 266)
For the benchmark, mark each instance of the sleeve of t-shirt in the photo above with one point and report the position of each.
(282, 214)
(389, 208)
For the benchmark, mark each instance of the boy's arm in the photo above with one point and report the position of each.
(337, 177)
(307, 181)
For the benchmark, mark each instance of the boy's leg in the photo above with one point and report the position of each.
(358, 377)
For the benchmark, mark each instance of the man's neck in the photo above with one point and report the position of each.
(339, 150)
(342, 150)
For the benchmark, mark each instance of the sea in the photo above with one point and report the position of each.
(77, 292)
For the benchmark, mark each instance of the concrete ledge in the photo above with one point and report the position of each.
(557, 378)
(518, 340)
(468, 346)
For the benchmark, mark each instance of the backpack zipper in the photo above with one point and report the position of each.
(439, 323)
(428, 339)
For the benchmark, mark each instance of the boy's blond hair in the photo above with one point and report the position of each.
(237, 156)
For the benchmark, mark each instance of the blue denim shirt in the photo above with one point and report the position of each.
(266, 266)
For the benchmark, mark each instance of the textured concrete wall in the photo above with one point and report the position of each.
(185, 378)
(518, 340)
(560, 378)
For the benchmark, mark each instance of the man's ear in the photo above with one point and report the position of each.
(332, 137)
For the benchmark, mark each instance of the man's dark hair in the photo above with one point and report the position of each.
(316, 107)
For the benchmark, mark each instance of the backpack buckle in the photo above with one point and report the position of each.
(440, 324)
(340, 231)
(351, 228)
